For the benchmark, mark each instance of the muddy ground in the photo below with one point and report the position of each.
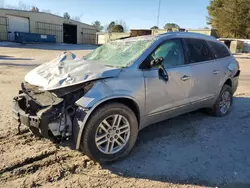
(193, 150)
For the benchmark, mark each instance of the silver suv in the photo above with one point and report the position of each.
(102, 100)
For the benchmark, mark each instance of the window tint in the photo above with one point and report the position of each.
(171, 51)
(198, 50)
(220, 50)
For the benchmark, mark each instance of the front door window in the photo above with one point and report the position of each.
(171, 51)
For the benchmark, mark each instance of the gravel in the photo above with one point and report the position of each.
(192, 150)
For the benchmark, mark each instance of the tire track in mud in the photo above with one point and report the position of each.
(47, 163)
(27, 161)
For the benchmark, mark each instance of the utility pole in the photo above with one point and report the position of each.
(158, 17)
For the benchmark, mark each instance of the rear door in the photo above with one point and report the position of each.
(223, 60)
(204, 69)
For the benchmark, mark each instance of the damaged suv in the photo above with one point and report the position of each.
(102, 100)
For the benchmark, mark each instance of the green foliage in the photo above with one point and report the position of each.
(117, 28)
(154, 27)
(231, 18)
(66, 15)
(35, 9)
(110, 26)
(170, 26)
(98, 25)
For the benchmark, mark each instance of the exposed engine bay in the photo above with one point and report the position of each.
(49, 113)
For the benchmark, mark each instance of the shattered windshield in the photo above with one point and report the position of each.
(119, 53)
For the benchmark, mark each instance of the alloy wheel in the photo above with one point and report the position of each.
(112, 134)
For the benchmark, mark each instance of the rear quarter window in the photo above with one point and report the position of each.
(220, 51)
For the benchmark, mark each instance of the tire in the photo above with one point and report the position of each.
(109, 110)
(216, 109)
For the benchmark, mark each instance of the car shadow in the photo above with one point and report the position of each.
(52, 46)
(194, 149)
(19, 65)
(5, 57)
(243, 57)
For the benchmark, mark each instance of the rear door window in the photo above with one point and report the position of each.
(220, 50)
(197, 50)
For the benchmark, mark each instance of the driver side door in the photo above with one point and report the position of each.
(167, 98)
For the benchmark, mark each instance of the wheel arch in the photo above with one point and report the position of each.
(228, 82)
(126, 100)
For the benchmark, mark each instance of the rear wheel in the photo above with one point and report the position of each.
(110, 133)
(224, 102)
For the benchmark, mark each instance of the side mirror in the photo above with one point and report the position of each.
(156, 62)
(162, 71)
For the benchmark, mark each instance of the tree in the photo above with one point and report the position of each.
(34, 9)
(120, 25)
(76, 18)
(123, 24)
(23, 6)
(1, 3)
(110, 26)
(98, 25)
(231, 18)
(66, 15)
(118, 29)
(47, 11)
(170, 26)
(154, 27)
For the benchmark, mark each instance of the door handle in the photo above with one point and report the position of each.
(215, 72)
(185, 78)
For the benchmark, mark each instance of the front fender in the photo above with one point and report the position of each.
(89, 102)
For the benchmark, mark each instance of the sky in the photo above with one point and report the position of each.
(137, 14)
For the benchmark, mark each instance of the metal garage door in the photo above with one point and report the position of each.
(88, 36)
(17, 23)
(3, 28)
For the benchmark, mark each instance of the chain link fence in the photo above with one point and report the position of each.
(3, 29)
(50, 29)
(88, 36)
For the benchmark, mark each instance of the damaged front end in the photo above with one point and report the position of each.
(48, 113)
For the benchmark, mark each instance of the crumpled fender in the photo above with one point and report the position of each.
(89, 102)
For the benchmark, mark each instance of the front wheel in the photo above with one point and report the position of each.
(224, 102)
(110, 133)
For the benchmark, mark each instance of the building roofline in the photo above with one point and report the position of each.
(45, 13)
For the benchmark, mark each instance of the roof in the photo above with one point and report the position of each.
(43, 13)
(201, 29)
(188, 35)
(172, 35)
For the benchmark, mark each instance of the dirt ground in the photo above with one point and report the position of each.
(193, 150)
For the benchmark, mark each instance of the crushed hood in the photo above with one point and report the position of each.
(67, 70)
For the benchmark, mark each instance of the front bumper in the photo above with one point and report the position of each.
(25, 118)
(22, 117)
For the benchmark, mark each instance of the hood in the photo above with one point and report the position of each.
(67, 70)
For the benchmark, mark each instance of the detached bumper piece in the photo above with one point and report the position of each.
(22, 117)
(32, 121)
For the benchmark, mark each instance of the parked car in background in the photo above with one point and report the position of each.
(102, 100)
